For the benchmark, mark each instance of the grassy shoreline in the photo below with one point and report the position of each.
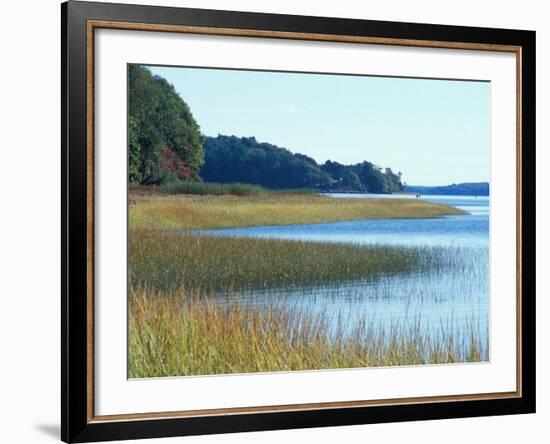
(153, 210)
(180, 335)
(166, 261)
(177, 329)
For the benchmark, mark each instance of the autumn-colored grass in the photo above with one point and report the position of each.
(155, 210)
(178, 327)
(180, 334)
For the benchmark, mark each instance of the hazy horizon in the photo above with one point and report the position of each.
(436, 132)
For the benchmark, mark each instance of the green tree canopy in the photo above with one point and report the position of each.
(234, 159)
(160, 125)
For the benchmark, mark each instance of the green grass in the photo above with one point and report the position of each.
(209, 188)
(221, 189)
(180, 334)
(150, 209)
(165, 261)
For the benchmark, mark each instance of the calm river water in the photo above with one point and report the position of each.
(453, 298)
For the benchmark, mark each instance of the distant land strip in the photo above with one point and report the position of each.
(456, 189)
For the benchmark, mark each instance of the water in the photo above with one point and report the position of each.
(450, 299)
(471, 230)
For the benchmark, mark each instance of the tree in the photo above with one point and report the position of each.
(159, 119)
(233, 159)
(134, 174)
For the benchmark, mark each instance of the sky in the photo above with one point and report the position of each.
(436, 132)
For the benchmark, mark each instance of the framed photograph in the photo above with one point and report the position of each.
(275, 221)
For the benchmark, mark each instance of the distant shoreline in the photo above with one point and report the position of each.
(455, 189)
(396, 193)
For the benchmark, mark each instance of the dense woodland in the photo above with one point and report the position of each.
(273, 167)
(165, 144)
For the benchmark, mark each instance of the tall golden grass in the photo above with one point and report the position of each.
(180, 333)
(196, 212)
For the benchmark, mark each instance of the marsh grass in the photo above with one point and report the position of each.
(209, 188)
(181, 324)
(167, 261)
(153, 210)
(221, 189)
(180, 334)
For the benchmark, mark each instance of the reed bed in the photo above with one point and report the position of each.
(180, 334)
(206, 188)
(154, 210)
(205, 305)
(220, 189)
(167, 261)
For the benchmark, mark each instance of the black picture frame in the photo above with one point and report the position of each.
(76, 423)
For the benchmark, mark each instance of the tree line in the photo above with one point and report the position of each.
(243, 159)
(165, 144)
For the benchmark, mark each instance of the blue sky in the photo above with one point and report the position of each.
(435, 132)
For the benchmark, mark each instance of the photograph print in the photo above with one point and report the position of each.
(291, 221)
